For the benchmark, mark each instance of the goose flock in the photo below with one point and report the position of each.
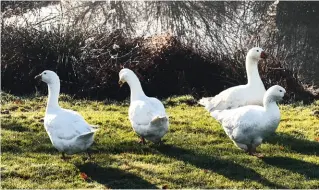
(248, 113)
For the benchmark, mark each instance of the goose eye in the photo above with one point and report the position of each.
(45, 73)
(257, 50)
(280, 90)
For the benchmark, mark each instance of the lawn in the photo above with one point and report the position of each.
(196, 152)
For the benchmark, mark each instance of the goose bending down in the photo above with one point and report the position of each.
(249, 94)
(146, 114)
(68, 131)
(247, 126)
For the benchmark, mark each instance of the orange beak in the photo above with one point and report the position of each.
(263, 55)
(38, 77)
(121, 83)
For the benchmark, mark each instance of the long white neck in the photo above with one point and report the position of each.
(272, 112)
(252, 72)
(54, 90)
(136, 88)
(270, 104)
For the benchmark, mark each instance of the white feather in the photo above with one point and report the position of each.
(146, 114)
(67, 129)
(250, 94)
(247, 126)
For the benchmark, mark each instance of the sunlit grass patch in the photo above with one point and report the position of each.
(196, 152)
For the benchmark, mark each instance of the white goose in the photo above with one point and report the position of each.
(247, 126)
(68, 131)
(146, 114)
(249, 94)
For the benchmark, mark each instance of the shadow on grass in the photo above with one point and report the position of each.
(16, 147)
(114, 178)
(298, 145)
(12, 148)
(13, 126)
(41, 143)
(226, 168)
(123, 146)
(307, 169)
(26, 142)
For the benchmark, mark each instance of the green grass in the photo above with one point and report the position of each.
(196, 154)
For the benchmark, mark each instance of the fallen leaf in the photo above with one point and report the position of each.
(281, 148)
(17, 101)
(165, 187)
(83, 175)
(317, 139)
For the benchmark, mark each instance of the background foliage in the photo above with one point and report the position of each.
(184, 47)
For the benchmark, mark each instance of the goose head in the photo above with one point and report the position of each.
(48, 77)
(126, 75)
(275, 93)
(256, 53)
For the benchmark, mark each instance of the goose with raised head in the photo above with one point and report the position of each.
(67, 129)
(146, 114)
(251, 93)
(247, 126)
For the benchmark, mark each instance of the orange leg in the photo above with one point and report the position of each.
(142, 140)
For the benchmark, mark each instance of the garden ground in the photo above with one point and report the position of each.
(196, 152)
